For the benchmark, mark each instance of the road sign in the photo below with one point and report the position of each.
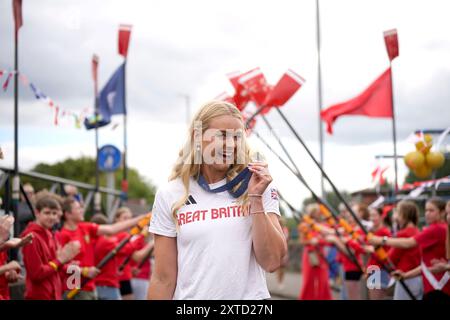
(109, 158)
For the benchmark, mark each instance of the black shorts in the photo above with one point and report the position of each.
(125, 287)
(353, 275)
(436, 295)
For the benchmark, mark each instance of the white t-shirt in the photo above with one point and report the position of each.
(215, 254)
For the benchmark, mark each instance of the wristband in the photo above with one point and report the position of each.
(85, 271)
(254, 195)
(53, 265)
(257, 212)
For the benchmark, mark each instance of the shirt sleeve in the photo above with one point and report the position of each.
(92, 229)
(162, 222)
(271, 200)
(426, 238)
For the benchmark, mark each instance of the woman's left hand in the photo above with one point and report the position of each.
(260, 179)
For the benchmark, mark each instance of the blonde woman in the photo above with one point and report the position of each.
(214, 238)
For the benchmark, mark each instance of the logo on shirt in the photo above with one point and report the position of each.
(274, 193)
(190, 200)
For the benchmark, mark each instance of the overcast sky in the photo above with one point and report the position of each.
(187, 47)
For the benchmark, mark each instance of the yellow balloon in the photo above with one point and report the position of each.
(414, 159)
(420, 145)
(428, 139)
(422, 172)
(435, 160)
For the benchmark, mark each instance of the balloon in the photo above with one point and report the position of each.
(422, 172)
(425, 145)
(414, 159)
(435, 160)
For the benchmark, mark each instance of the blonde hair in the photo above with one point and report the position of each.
(185, 166)
(120, 212)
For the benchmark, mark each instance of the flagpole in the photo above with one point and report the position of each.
(97, 199)
(319, 94)
(394, 133)
(125, 141)
(16, 179)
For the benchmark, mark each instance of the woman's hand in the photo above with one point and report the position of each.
(438, 266)
(375, 240)
(398, 274)
(260, 179)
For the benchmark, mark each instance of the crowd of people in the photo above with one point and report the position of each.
(59, 252)
(395, 260)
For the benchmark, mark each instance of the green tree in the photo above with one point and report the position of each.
(83, 170)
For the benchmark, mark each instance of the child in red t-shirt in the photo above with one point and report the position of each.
(431, 241)
(9, 271)
(315, 280)
(141, 265)
(83, 265)
(41, 258)
(107, 281)
(405, 260)
(380, 229)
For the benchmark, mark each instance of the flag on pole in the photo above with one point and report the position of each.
(95, 68)
(89, 122)
(17, 12)
(241, 97)
(255, 83)
(378, 175)
(286, 87)
(124, 39)
(374, 102)
(391, 41)
(111, 96)
(6, 83)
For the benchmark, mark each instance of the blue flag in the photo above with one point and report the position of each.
(89, 122)
(111, 100)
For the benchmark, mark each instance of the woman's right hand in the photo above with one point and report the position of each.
(398, 274)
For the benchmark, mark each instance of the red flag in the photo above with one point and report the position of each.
(391, 41)
(124, 39)
(256, 84)
(17, 11)
(241, 97)
(94, 71)
(288, 84)
(6, 83)
(94, 67)
(374, 102)
(378, 174)
(55, 119)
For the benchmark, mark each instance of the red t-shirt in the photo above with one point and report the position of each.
(108, 275)
(406, 259)
(4, 287)
(123, 254)
(86, 234)
(383, 231)
(145, 270)
(432, 246)
(347, 263)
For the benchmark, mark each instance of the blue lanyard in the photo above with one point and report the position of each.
(243, 176)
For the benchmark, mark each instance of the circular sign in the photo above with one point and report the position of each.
(109, 158)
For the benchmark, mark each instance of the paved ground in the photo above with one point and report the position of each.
(290, 288)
